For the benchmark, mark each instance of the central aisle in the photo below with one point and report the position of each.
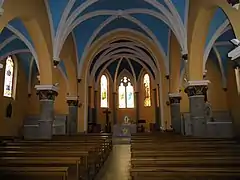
(118, 164)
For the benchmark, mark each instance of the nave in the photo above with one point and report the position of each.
(149, 156)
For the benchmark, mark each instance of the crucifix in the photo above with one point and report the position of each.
(107, 125)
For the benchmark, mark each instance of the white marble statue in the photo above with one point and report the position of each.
(126, 120)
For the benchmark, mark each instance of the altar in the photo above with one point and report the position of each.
(125, 129)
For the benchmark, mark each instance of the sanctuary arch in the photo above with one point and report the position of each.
(118, 102)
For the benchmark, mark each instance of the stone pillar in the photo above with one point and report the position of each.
(47, 94)
(137, 105)
(114, 108)
(156, 107)
(72, 115)
(196, 91)
(159, 106)
(89, 104)
(95, 107)
(175, 99)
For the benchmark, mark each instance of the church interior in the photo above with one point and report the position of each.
(79, 77)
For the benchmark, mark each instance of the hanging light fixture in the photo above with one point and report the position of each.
(234, 3)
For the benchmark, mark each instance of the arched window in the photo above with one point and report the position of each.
(125, 93)
(147, 91)
(8, 78)
(104, 91)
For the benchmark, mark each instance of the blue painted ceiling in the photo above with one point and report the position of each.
(222, 45)
(147, 25)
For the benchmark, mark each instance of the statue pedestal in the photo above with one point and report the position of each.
(124, 130)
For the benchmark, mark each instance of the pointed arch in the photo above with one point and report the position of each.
(147, 90)
(104, 88)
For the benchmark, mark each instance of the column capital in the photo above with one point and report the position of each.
(72, 100)
(174, 98)
(195, 88)
(46, 92)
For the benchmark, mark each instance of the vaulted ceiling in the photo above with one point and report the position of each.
(89, 20)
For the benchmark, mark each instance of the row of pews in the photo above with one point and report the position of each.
(62, 158)
(168, 156)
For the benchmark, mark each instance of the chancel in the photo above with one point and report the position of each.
(119, 89)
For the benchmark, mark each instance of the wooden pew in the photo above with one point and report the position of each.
(72, 163)
(39, 153)
(184, 173)
(36, 173)
(96, 150)
(175, 157)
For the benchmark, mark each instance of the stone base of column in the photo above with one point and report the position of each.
(175, 111)
(199, 126)
(45, 129)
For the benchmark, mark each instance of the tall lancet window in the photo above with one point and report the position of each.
(8, 79)
(125, 93)
(104, 91)
(147, 91)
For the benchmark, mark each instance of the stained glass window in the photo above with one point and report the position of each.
(8, 79)
(104, 91)
(126, 93)
(147, 92)
(122, 95)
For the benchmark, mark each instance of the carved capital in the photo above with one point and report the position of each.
(196, 90)
(72, 102)
(174, 98)
(47, 94)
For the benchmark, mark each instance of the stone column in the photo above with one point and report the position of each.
(159, 107)
(156, 107)
(174, 99)
(137, 105)
(72, 115)
(114, 108)
(95, 107)
(89, 104)
(47, 94)
(196, 91)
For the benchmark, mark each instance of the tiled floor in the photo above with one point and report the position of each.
(118, 164)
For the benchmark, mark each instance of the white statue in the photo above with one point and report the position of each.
(126, 120)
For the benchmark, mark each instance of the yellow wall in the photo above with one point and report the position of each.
(12, 126)
(216, 95)
(60, 105)
(233, 98)
(34, 106)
